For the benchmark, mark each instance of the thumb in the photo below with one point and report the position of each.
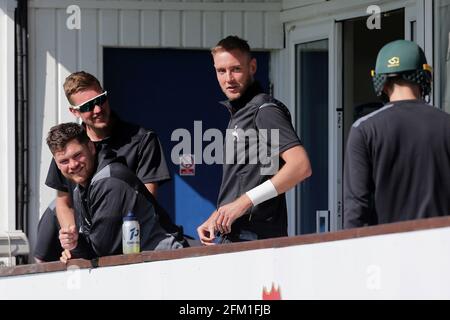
(212, 232)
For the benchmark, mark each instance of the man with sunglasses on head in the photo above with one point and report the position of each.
(139, 147)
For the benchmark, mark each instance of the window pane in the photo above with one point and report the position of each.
(312, 120)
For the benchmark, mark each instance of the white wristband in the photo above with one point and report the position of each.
(262, 193)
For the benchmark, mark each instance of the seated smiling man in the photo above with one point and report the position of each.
(106, 191)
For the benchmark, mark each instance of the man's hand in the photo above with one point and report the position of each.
(207, 231)
(230, 212)
(65, 256)
(68, 237)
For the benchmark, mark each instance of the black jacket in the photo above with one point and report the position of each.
(113, 191)
(397, 165)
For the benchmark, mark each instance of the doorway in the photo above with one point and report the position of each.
(360, 49)
(333, 88)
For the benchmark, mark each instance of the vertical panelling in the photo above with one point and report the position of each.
(129, 28)
(150, 28)
(233, 24)
(254, 29)
(109, 27)
(273, 32)
(34, 145)
(192, 29)
(290, 4)
(212, 28)
(171, 28)
(88, 42)
(66, 55)
(46, 114)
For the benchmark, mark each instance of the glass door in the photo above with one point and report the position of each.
(331, 87)
(312, 97)
(311, 49)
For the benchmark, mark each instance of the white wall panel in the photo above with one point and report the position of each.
(150, 28)
(401, 266)
(109, 27)
(192, 29)
(273, 32)
(88, 42)
(129, 28)
(233, 24)
(46, 108)
(7, 115)
(67, 59)
(171, 29)
(254, 29)
(290, 4)
(212, 28)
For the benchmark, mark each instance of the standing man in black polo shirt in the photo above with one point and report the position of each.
(106, 191)
(251, 203)
(140, 148)
(397, 164)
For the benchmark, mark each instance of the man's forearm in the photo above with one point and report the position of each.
(296, 169)
(66, 217)
(64, 211)
(152, 187)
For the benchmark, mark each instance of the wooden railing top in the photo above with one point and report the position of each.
(402, 227)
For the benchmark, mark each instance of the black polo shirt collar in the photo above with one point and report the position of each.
(236, 105)
(115, 123)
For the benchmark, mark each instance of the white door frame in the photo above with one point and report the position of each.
(437, 63)
(7, 114)
(299, 34)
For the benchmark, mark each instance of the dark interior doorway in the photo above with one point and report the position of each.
(360, 49)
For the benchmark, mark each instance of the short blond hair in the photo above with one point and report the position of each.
(231, 43)
(80, 81)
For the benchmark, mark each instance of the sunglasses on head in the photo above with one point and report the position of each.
(90, 104)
